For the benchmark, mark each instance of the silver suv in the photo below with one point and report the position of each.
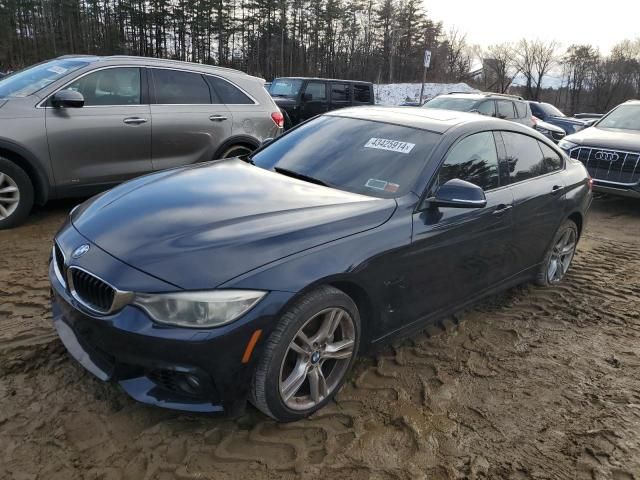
(79, 124)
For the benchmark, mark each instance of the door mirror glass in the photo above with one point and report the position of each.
(67, 99)
(458, 193)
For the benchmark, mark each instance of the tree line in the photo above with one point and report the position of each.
(382, 41)
(376, 40)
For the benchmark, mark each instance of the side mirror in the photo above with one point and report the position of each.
(458, 193)
(67, 99)
(307, 97)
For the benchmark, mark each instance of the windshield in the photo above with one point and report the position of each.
(285, 87)
(626, 117)
(452, 103)
(30, 80)
(360, 156)
(550, 110)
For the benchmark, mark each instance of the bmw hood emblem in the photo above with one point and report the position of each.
(81, 250)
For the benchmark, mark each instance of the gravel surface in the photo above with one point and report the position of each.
(534, 383)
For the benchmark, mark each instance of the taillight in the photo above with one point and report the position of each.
(278, 118)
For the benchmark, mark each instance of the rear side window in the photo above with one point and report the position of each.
(521, 109)
(487, 108)
(524, 156)
(340, 92)
(227, 93)
(318, 91)
(361, 93)
(474, 159)
(552, 161)
(505, 109)
(173, 87)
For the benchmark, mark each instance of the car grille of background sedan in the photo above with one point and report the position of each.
(612, 166)
(92, 291)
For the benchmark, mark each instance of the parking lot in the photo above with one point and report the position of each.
(535, 383)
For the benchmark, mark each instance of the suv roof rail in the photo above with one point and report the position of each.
(170, 61)
(507, 95)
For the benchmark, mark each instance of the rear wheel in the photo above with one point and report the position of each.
(558, 259)
(308, 356)
(16, 194)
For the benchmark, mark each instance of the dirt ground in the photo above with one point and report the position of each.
(536, 383)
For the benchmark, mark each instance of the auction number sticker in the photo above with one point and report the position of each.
(389, 145)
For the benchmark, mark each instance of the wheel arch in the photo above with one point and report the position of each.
(244, 140)
(576, 217)
(25, 160)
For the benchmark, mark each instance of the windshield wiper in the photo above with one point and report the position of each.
(300, 176)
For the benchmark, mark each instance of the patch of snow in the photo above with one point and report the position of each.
(397, 93)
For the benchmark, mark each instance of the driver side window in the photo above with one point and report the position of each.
(111, 86)
(473, 159)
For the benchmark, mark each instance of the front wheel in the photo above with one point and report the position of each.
(558, 258)
(16, 194)
(308, 356)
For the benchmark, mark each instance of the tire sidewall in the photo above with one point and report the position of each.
(272, 393)
(228, 151)
(26, 193)
(542, 278)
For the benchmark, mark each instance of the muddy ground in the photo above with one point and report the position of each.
(535, 383)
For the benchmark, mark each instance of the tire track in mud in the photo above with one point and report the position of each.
(533, 383)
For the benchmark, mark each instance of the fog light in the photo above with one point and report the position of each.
(193, 382)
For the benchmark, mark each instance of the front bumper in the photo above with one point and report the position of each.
(199, 370)
(623, 191)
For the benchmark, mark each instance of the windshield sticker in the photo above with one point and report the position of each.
(376, 184)
(389, 145)
(391, 187)
(58, 70)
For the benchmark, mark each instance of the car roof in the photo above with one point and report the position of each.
(432, 119)
(324, 79)
(161, 62)
(481, 95)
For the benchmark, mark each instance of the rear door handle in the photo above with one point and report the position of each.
(502, 209)
(217, 118)
(135, 120)
(556, 189)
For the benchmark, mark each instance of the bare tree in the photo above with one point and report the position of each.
(458, 61)
(499, 67)
(534, 58)
(579, 63)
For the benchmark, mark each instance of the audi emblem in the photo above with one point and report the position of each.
(607, 156)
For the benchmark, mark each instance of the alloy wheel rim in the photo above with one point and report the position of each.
(317, 359)
(561, 256)
(9, 196)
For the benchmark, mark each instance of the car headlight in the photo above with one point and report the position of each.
(198, 309)
(566, 145)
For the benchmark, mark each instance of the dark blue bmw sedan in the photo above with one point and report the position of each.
(262, 278)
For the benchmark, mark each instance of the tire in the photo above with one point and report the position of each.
(280, 365)
(236, 151)
(16, 194)
(565, 240)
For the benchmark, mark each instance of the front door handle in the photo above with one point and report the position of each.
(556, 189)
(135, 120)
(502, 209)
(217, 118)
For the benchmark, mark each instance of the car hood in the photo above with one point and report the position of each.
(200, 226)
(570, 120)
(615, 139)
(285, 102)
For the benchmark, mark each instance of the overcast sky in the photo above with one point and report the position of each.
(602, 23)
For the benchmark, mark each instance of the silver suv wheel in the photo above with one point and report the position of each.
(9, 196)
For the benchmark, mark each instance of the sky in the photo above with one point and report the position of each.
(602, 23)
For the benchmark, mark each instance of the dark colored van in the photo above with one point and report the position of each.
(301, 98)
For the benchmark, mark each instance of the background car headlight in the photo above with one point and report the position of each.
(198, 309)
(566, 145)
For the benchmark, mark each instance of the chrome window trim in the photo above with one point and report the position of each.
(251, 97)
(120, 297)
(41, 104)
(56, 270)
